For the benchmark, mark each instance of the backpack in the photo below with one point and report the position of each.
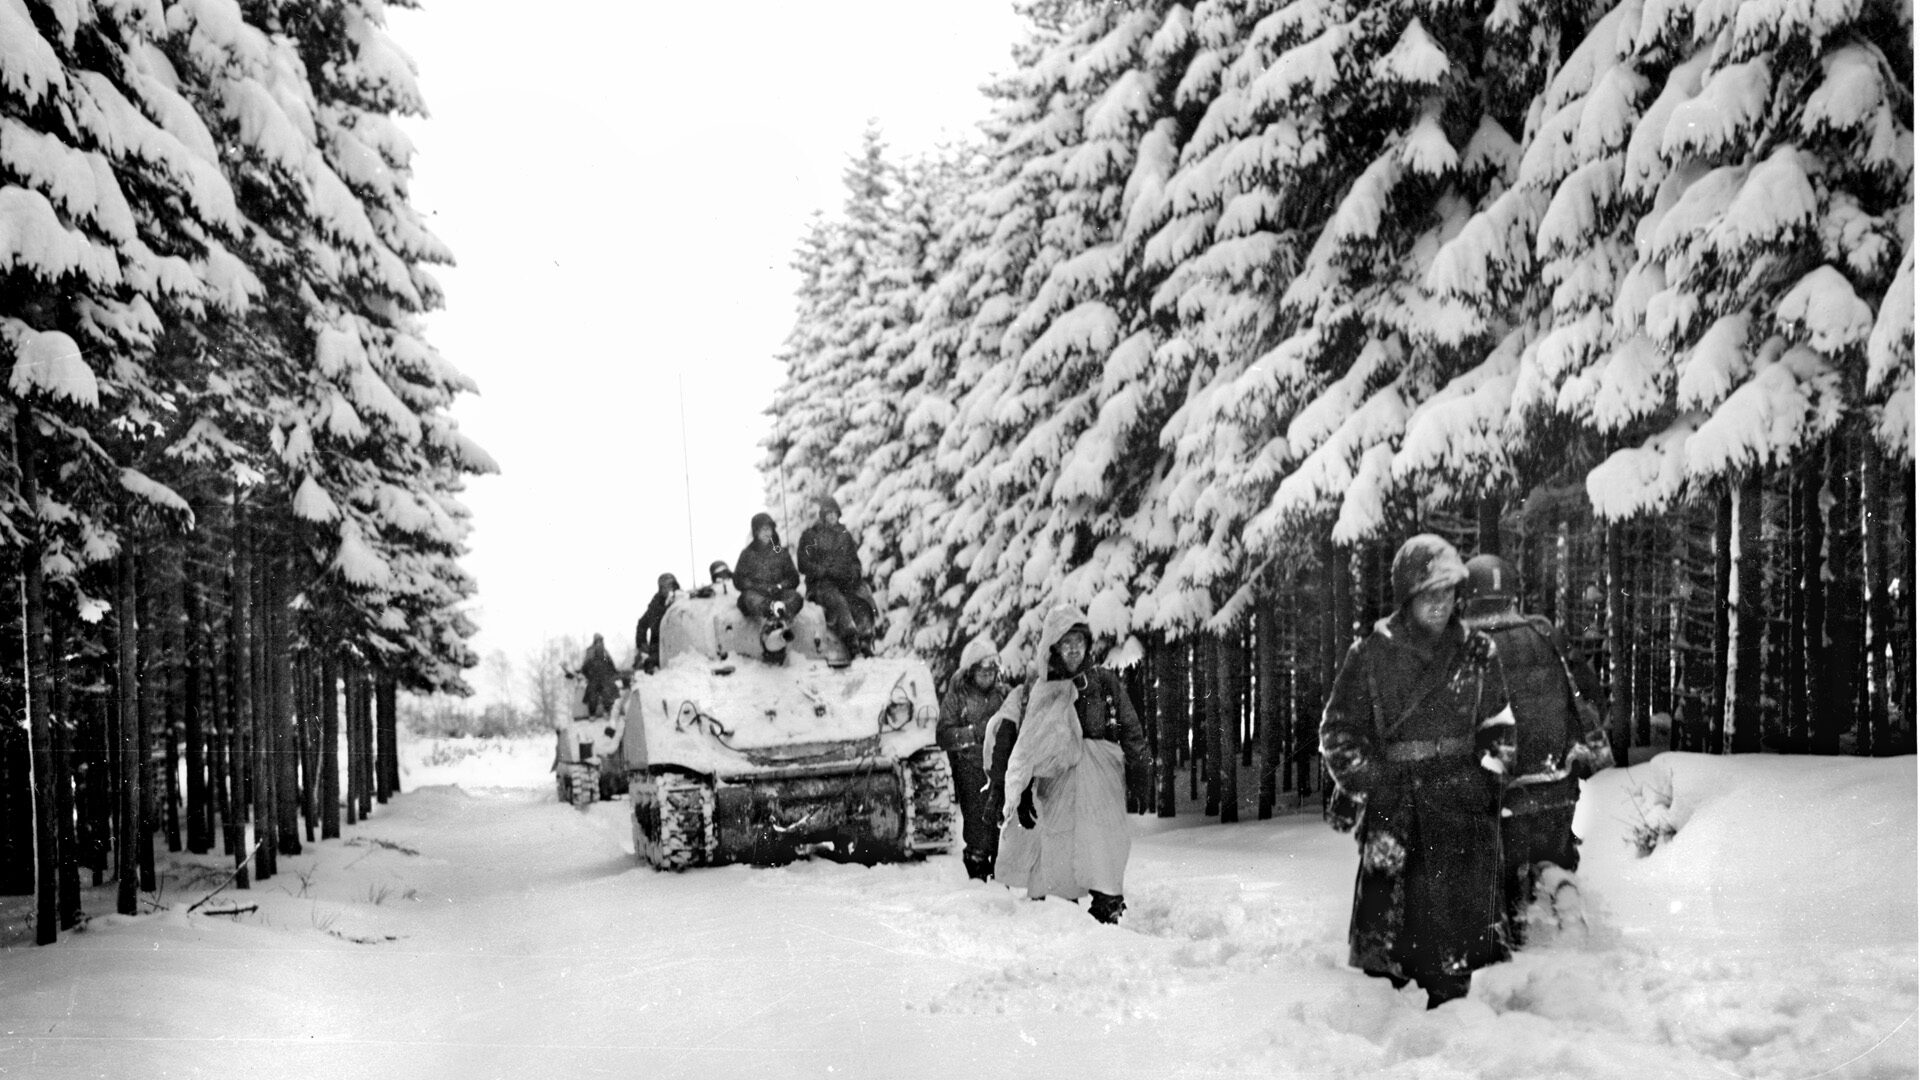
(1539, 687)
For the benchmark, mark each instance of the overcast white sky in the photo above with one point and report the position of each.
(623, 186)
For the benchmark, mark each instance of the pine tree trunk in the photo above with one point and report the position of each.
(1206, 721)
(280, 716)
(1488, 507)
(149, 678)
(1226, 662)
(364, 686)
(1619, 686)
(247, 826)
(308, 704)
(127, 835)
(1833, 706)
(199, 805)
(219, 668)
(65, 799)
(329, 746)
(1744, 711)
(173, 715)
(1644, 603)
(1171, 682)
(1874, 518)
(386, 703)
(1807, 648)
(1196, 747)
(1723, 618)
(1269, 697)
(39, 693)
(1904, 646)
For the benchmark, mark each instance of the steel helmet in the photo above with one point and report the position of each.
(1490, 578)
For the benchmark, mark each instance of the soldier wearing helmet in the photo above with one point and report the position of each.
(1555, 699)
(1417, 733)
(646, 632)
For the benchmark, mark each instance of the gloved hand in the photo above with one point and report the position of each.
(1029, 817)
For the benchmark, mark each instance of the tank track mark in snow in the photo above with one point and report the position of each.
(930, 803)
(672, 821)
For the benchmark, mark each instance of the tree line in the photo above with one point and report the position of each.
(1227, 299)
(231, 498)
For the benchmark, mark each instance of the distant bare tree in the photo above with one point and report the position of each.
(498, 676)
(544, 671)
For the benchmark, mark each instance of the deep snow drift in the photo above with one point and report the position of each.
(475, 928)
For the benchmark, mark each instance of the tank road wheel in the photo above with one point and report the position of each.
(672, 820)
(584, 780)
(929, 803)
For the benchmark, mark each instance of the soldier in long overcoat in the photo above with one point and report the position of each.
(1418, 731)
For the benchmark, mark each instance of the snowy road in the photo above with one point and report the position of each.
(485, 931)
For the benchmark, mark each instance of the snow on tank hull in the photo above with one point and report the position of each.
(733, 759)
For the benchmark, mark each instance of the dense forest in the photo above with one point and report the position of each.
(230, 498)
(1230, 298)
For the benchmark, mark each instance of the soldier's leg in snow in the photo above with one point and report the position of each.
(1107, 907)
(862, 608)
(1519, 878)
(833, 605)
(754, 603)
(1444, 988)
(977, 832)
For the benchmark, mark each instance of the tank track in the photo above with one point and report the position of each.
(583, 780)
(930, 808)
(672, 821)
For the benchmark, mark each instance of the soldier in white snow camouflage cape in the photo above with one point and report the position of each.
(1080, 744)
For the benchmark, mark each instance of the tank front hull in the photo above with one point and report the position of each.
(875, 811)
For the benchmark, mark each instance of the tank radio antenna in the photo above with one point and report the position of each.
(686, 475)
(786, 514)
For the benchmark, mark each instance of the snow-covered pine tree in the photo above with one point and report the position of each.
(1238, 215)
(853, 304)
(1003, 224)
(115, 226)
(1063, 410)
(364, 446)
(796, 410)
(900, 503)
(1732, 201)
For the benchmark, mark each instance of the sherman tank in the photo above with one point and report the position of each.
(733, 758)
(587, 763)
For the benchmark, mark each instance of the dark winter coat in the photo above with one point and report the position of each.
(828, 553)
(602, 677)
(964, 712)
(646, 633)
(1417, 729)
(1555, 698)
(766, 569)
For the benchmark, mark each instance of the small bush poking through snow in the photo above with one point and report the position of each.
(1652, 806)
